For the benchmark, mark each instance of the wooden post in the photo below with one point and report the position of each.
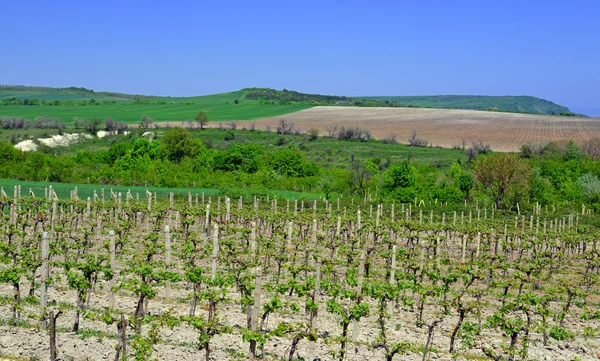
(361, 272)
(44, 276)
(111, 281)
(215, 251)
(392, 278)
(256, 307)
(253, 240)
(464, 249)
(290, 232)
(207, 217)
(168, 257)
(314, 313)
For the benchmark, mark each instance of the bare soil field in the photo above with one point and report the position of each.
(446, 127)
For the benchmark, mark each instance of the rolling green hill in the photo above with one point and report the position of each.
(246, 104)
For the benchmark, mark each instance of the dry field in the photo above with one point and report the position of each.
(447, 128)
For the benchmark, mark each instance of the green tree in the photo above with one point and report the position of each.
(178, 144)
(502, 174)
(401, 175)
(202, 118)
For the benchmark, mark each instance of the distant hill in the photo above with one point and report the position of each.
(18, 95)
(517, 104)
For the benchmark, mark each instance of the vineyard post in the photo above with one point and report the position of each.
(477, 245)
(46, 192)
(358, 219)
(518, 209)
(302, 207)
(289, 238)
(478, 213)
(149, 201)
(485, 214)
(431, 217)
(443, 218)
(190, 199)
(207, 217)
(101, 193)
(454, 218)
(420, 216)
(111, 281)
(339, 226)
(295, 207)
(462, 217)
(359, 279)
(315, 209)
(219, 206)
(256, 308)
(119, 200)
(437, 251)
(228, 207)
(314, 312)
(215, 251)
(377, 216)
(44, 276)
(392, 213)
(314, 233)
(392, 277)
(88, 209)
(371, 212)
(338, 204)
(253, 240)
(168, 257)
(287, 206)
(464, 249)
(470, 216)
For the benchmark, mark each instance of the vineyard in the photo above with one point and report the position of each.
(123, 276)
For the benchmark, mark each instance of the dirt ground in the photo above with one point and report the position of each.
(445, 127)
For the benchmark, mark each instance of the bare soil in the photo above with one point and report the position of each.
(446, 127)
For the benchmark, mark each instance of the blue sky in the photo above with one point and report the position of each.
(548, 49)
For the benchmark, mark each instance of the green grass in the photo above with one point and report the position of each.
(87, 190)
(219, 107)
(328, 152)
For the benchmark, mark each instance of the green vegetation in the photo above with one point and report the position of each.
(66, 104)
(256, 162)
(517, 104)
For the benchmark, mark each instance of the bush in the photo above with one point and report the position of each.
(313, 134)
(354, 134)
(413, 141)
(390, 139)
(229, 136)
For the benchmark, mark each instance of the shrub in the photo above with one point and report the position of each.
(416, 142)
(313, 133)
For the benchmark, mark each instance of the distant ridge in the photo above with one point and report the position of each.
(268, 96)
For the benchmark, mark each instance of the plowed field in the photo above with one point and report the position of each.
(447, 128)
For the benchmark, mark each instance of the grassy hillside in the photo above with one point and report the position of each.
(219, 107)
(246, 104)
(519, 104)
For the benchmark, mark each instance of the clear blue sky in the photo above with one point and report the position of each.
(549, 49)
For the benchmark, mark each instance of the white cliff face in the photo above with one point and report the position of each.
(63, 140)
(27, 145)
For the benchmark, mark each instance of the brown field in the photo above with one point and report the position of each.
(446, 128)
